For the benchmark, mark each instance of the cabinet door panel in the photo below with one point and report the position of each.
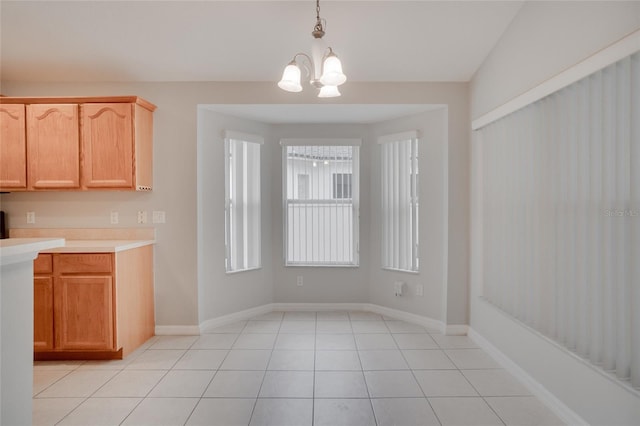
(13, 147)
(53, 143)
(84, 313)
(42, 313)
(43, 264)
(107, 143)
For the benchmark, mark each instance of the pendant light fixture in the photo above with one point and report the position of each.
(323, 66)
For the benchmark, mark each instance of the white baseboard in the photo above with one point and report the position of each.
(567, 415)
(177, 330)
(428, 323)
(319, 306)
(236, 316)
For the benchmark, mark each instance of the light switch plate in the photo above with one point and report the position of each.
(115, 218)
(31, 217)
(142, 216)
(158, 216)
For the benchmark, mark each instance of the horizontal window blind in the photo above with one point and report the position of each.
(561, 213)
(242, 201)
(321, 204)
(399, 154)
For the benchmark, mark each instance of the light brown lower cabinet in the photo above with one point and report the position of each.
(93, 305)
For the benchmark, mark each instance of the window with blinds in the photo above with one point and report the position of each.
(242, 201)
(399, 154)
(561, 213)
(321, 197)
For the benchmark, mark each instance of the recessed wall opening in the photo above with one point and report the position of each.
(285, 278)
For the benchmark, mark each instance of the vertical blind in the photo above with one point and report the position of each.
(321, 204)
(242, 201)
(399, 154)
(561, 217)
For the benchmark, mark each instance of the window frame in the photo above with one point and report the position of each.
(413, 206)
(354, 201)
(231, 137)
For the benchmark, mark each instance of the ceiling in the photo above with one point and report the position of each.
(117, 41)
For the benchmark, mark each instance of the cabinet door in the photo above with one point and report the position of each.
(13, 147)
(53, 143)
(107, 143)
(43, 313)
(84, 313)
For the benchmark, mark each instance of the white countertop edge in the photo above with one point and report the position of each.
(99, 246)
(16, 250)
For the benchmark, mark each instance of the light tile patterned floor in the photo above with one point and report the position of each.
(291, 368)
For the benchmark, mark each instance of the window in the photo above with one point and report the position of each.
(342, 185)
(242, 204)
(320, 180)
(560, 217)
(399, 167)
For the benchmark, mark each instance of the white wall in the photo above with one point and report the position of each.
(544, 39)
(176, 186)
(432, 219)
(220, 293)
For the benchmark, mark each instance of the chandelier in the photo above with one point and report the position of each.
(323, 66)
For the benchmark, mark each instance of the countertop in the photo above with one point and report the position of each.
(98, 246)
(14, 250)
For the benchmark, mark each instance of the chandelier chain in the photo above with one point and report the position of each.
(318, 30)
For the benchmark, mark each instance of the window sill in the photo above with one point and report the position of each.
(306, 265)
(243, 270)
(401, 270)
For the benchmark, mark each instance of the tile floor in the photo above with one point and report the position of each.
(291, 368)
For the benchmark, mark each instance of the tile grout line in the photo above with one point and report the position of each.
(214, 375)
(264, 376)
(364, 377)
(413, 374)
(313, 389)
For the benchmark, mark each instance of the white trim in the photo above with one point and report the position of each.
(236, 316)
(236, 271)
(177, 330)
(245, 137)
(320, 141)
(601, 59)
(295, 307)
(395, 137)
(406, 271)
(456, 330)
(246, 314)
(558, 407)
(426, 322)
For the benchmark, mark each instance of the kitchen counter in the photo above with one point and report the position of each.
(98, 246)
(16, 326)
(15, 250)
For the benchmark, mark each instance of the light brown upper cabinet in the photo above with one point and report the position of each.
(13, 147)
(72, 144)
(53, 146)
(115, 140)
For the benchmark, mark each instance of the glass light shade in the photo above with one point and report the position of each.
(332, 71)
(291, 78)
(329, 92)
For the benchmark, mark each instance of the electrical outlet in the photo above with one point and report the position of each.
(142, 216)
(299, 281)
(115, 218)
(31, 217)
(158, 216)
(419, 290)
